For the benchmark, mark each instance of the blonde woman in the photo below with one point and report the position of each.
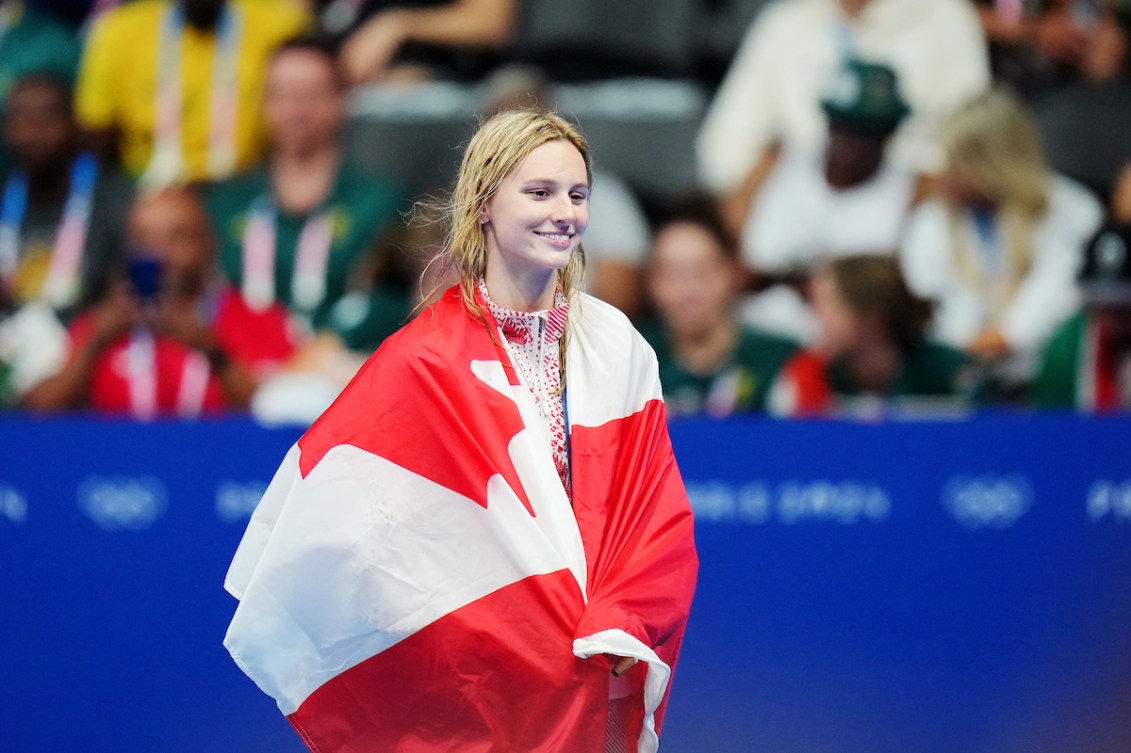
(484, 543)
(998, 250)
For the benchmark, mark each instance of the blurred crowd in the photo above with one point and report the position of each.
(904, 206)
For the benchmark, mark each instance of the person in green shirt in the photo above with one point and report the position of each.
(871, 348)
(295, 230)
(1087, 363)
(708, 361)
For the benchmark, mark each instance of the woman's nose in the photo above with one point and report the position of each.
(563, 210)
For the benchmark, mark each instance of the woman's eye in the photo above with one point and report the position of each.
(540, 192)
(578, 198)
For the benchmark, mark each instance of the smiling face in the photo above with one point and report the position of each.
(534, 221)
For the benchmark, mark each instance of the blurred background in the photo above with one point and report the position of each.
(881, 249)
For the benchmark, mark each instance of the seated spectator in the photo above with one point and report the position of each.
(616, 241)
(399, 40)
(771, 94)
(185, 102)
(295, 229)
(708, 361)
(172, 340)
(32, 42)
(1087, 364)
(870, 349)
(1039, 46)
(60, 215)
(410, 273)
(846, 201)
(999, 249)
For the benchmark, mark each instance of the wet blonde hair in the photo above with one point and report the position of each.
(993, 146)
(497, 148)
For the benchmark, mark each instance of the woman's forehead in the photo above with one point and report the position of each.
(557, 160)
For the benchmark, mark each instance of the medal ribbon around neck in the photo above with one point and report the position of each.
(167, 163)
(260, 248)
(61, 286)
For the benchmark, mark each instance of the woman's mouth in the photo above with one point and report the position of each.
(558, 239)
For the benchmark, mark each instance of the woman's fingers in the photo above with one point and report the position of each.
(623, 665)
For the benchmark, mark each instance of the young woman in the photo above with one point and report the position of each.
(870, 348)
(999, 250)
(484, 544)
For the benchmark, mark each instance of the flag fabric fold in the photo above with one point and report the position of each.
(416, 578)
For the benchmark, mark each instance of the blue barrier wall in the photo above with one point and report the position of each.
(953, 587)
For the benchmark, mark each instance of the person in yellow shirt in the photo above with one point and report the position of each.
(173, 87)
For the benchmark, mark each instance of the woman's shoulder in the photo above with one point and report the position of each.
(606, 323)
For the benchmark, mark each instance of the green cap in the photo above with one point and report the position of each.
(864, 95)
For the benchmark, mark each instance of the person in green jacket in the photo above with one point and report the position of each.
(297, 230)
(709, 362)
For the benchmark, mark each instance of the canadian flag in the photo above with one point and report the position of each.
(416, 579)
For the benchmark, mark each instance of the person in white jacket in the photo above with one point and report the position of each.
(999, 248)
(771, 94)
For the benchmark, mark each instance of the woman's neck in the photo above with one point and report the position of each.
(301, 180)
(702, 352)
(875, 365)
(529, 290)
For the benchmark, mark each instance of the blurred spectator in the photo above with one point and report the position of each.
(171, 340)
(1000, 248)
(1087, 364)
(1039, 45)
(173, 87)
(60, 216)
(616, 241)
(771, 94)
(410, 261)
(295, 229)
(846, 201)
(871, 349)
(708, 361)
(415, 39)
(32, 42)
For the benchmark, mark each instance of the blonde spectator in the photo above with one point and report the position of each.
(173, 87)
(1000, 248)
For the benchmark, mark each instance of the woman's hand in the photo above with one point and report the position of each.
(988, 344)
(621, 666)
